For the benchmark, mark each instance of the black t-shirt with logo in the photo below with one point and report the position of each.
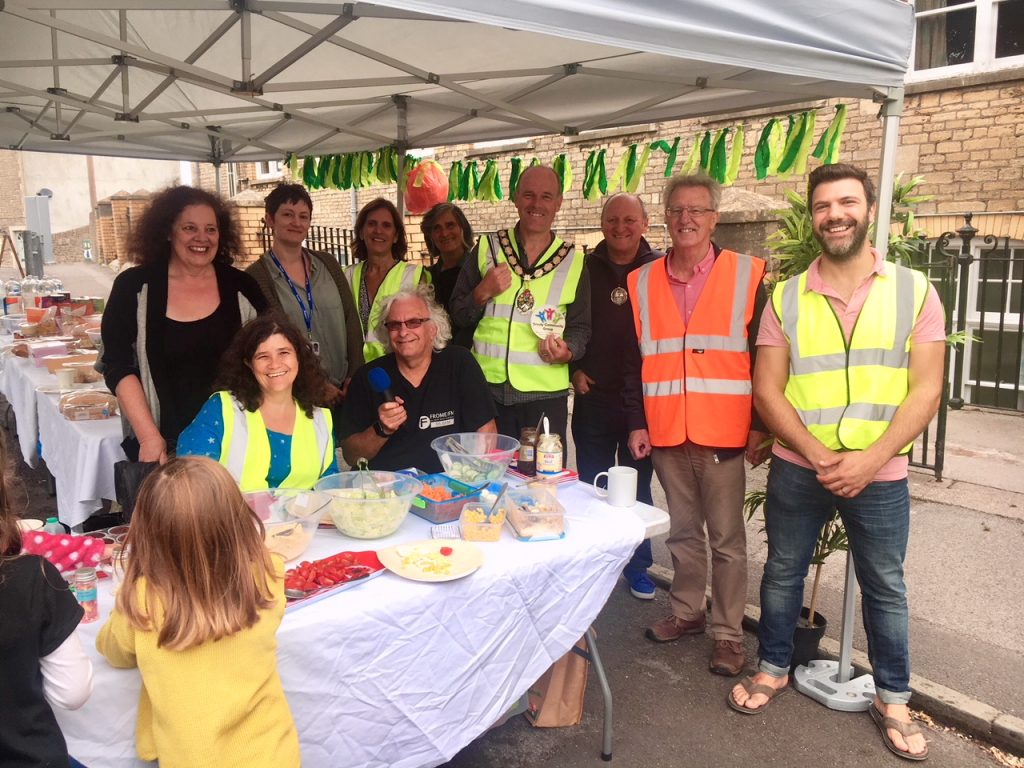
(37, 614)
(453, 397)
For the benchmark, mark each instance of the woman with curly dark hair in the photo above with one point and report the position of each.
(380, 271)
(169, 319)
(264, 423)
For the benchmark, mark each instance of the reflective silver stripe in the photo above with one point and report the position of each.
(493, 309)
(817, 364)
(821, 416)
(323, 437)
(642, 286)
(831, 417)
(408, 277)
(790, 298)
(561, 273)
(661, 346)
(494, 351)
(719, 386)
(890, 358)
(239, 440)
(524, 358)
(663, 388)
(906, 309)
(720, 343)
(738, 325)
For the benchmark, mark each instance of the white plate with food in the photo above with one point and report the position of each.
(432, 560)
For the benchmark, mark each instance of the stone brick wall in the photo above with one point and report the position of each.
(69, 246)
(12, 190)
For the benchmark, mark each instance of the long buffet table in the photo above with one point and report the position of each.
(79, 454)
(400, 673)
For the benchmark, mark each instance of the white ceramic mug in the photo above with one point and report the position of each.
(621, 491)
(65, 378)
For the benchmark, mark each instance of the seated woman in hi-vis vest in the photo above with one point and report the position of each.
(262, 422)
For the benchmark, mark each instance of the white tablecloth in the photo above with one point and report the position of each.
(405, 674)
(79, 454)
(21, 377)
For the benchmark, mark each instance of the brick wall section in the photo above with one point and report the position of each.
(69, 246)
(967, 142)
(12, 190)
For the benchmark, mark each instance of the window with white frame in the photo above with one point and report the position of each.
(269, 169)
(956, 37)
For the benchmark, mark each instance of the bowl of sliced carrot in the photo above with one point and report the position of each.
(442, 498)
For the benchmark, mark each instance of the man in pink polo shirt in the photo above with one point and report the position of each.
(848, 374)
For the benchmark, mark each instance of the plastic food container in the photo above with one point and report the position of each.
(430, 505)
(475, 458)
(290, 518)
(371, 504)
(477, 525)
(535, 515)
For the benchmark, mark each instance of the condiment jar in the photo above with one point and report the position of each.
(549, 454)
(527, 463)
(85, 591)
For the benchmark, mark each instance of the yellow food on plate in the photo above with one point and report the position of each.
(425, 560)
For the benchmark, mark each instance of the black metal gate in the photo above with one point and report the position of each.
(982, 291)
(334, 240)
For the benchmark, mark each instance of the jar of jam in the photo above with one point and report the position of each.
(85, 591)
(549, 454)
(527, 463)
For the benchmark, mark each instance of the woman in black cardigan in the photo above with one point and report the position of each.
(169, 319)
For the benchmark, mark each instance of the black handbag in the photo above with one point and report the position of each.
(128, 477)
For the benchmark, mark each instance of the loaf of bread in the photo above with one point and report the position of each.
(88, 405)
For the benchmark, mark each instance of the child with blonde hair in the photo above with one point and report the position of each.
(42, 662)
(198, 612)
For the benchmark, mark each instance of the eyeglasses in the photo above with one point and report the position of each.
(694, 213)
(412, 324)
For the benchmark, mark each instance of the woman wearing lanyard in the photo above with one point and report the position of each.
(381, 269)
(309, 288)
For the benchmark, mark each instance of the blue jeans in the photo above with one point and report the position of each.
(599, 433)
(877, 525)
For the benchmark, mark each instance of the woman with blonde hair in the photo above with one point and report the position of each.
(198, 612)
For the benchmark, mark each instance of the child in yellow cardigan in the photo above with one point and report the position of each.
(197, 614)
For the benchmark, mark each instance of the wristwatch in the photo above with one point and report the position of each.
(379, 429)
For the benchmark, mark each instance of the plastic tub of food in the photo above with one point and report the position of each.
(475, 458)
(442, 498)
(371, 504)
(479, 523)
(290, 518)
(534, 515)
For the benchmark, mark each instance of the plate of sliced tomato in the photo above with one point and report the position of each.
(316, 578)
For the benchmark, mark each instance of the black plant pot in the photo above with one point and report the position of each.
(806, 639)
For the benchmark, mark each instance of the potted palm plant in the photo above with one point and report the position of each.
(794, 247)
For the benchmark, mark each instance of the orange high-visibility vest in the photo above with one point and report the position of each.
(696, 378)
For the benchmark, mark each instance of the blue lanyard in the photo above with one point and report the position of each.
(307, 313)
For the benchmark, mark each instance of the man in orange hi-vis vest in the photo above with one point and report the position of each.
(689, 406)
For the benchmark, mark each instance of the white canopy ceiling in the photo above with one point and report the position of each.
(234, 80)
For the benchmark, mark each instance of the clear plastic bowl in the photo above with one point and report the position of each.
(371, 504)
(475, 458)
(290, 517)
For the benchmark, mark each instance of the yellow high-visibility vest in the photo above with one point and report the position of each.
(846, 394)
(245, 448)
(504, 344)
(401, 276)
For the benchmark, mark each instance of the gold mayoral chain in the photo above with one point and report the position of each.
(525, 300)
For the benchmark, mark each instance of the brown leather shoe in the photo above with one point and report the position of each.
(672, 628)
(727, 658)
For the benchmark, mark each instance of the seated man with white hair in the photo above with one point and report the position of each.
(420, 390)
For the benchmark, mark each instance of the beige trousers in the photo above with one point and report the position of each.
(704, 492)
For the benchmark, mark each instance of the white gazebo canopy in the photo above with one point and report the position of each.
(238, 80)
